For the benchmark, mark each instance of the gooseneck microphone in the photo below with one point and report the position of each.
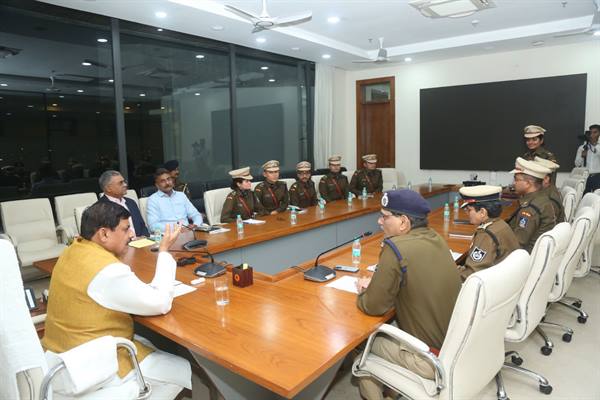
(322, 273)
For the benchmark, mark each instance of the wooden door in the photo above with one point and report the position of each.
(376, 120)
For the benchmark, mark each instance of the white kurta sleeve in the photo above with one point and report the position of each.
(117, 288)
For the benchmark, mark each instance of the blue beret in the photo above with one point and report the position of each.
(405, 201)
(171, 165)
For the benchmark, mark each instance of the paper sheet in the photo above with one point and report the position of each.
(346, 283)
(372, 268)
(138, 244)
(179, 289)
(455, 255)
(252, 221)
(220, 230)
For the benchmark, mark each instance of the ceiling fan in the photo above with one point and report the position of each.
(266, 21)
(381, 57)
(593, 29)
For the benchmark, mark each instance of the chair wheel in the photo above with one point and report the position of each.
(577, 304)
(546, 350)
(546, 389)
(581, 320)
(516, 360)
(567, 337)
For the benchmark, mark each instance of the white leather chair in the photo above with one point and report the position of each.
(65, 208)
(316, 179)
(578, 184)
(132, 194)
(349, 174)
(569, 196)
(78, 212)
(29, 225)
(401, 178)
(143, 208)
(473, 350)
(530, 311)
(26, 373)
(213, 204)
(390, 178)
(289, 182)
(579, 172)
(591, 200)
(596, 254)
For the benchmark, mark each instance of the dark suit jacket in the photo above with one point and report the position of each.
(136, 216)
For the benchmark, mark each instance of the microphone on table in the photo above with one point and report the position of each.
(322, 273)
(207, 270)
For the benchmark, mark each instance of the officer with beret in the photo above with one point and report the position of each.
(367, 177)
(551, 190)
(534, 140)
(303, 193)
(334, 185)
(173, 167)
(272, 194)
(241, 201)
(417, 276)
(535, 214)
(493, 239)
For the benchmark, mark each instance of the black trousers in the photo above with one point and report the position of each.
(593, 183)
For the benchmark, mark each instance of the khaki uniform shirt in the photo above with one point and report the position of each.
(240, 202)
(492, 242)
(272, 196)
(545, 154)
(534, 216)
(416, 275)
(182, 187)
(303, 194)
(556, 201)
(333, 186)
(372, 180)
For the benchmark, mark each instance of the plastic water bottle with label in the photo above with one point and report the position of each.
(356, 248)
(429, 184)
(349, 199)
(446, 217)
(239, 223)
(321, 206)
(364, 193)
(455, 207)
(393, 187)
(293, 216)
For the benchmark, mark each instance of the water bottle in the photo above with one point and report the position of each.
(393, 187)
(446, 213)
(322, 206)
(156, 235)
(349, 199)
(429, 184)
(364, 193)
(409, 186)
(456, 207)
(239, 224)
(356, 252)
(293, 216)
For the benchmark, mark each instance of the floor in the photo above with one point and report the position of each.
(573, 369)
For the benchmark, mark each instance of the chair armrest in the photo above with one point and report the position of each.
(65, 233)
(414, 344)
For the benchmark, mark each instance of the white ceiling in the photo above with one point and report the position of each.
(512, 25)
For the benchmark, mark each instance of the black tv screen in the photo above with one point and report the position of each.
(480, 127)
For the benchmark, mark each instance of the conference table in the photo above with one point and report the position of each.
(283, 336)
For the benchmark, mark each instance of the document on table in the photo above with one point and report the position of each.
(220, 230)
(179, 289)
(455, 255)
(346, 283)
(138, 244)
(252, 221)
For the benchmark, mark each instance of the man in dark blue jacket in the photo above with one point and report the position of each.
(114, 187)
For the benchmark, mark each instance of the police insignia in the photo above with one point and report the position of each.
(523, 222)
(477, 254)
(384, 200)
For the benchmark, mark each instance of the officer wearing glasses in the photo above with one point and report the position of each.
(303, 193)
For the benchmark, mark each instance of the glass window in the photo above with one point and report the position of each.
(57, 124)
(376, 93)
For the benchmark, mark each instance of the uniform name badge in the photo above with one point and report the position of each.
(477, 254)
(523, 221)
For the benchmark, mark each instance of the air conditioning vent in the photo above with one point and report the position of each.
(450, 8)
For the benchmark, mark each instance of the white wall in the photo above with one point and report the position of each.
(524, 64)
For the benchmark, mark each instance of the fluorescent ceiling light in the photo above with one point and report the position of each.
(86, 64)
(264, 68)
(159, 29)
(54, 105)
(79, 90)
(199, 56)
(597, 33)
(333, 20)
(326, 56)
(160, 14)
(196, 94)
(260, 40)
(102, 40)
(142, 94)
(111, 80)
(407, 59)
(271, 80)
(3, 84)
(450, 8)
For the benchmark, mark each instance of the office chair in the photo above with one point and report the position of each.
(65, 207)
(569, 196)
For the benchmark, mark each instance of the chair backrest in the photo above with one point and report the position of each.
(349, 174)
(316, 179)
(213, 202)
(77, 213)
(591, 200)
(29, 222)
(65, 207)
(546, 256)
(148, 191)
(579, 237)
(21, 354)
(579, 172)
(578, 184)
(390, 178)
(143, 208)
(473, 350)
(133, 195)
(289, 182)
(569, 196)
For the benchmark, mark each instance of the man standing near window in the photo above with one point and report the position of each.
(588, 156)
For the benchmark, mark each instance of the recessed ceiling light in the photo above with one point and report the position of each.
(159, 29)
(53, 115)
(3, 84)
(160, 14)
(111, 80)
(326, 56)
(97, 112)
(54, 105)
(333, 20)
(162, 108)
(199, 56)
(295, 48)
(61, 97)
(128, 108)
(538, 43)
(102, 40)
(217, 27)
(596, 33)
(407, 59)
(86, 64)
(30, 106)
(79, 90)
(271, 80)
(196, 94)
(264, 68)
(142, 94)
(260, 40)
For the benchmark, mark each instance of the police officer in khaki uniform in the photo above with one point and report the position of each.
(535, 214)
(534, 140)
(551, 190)
(417, 276)
(369, 176)
(173, 167)
(272, 193)
(334, 185)
(241, 201)
(303, 193)
(493, 239)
